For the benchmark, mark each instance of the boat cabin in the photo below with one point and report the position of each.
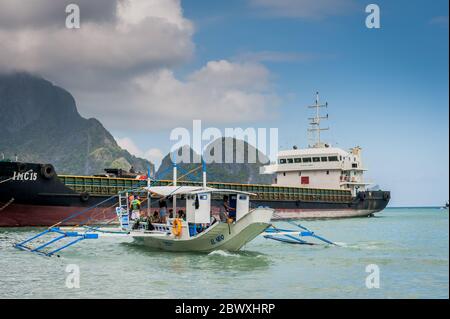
(198, 215)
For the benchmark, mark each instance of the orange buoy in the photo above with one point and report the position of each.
(177, 227)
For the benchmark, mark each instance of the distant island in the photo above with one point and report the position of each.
(247, 173)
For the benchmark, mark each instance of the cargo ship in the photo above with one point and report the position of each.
(319, 181)
(323, 167)
(34, 195)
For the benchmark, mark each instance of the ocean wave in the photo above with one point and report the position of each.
(363, 245)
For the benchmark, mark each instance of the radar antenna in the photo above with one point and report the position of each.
(314, 124)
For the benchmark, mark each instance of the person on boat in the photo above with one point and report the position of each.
(181, 214)
(136, 224)
(162, 210)
(230, 211)
(148, 222)
(155, 217)
(171, 213)
(135, 208)
(130, 199)
(223, 216)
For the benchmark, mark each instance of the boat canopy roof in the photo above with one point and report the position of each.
(184, 190)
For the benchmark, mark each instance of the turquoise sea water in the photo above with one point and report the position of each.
(410, 246)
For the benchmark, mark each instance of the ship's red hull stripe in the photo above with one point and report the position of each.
(17, 215)
(32, 215)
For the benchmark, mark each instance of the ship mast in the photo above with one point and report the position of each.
(314, 123)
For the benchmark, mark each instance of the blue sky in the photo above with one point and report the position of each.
(387, 88)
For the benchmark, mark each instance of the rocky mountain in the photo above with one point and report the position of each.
(40, 123)
(218, 170)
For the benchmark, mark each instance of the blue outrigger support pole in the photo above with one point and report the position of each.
(284, 235)
(293, 240)
(21, 244)
(86, 236)
(79, 237)
(48, 243)
(298, 239)
(312, 234)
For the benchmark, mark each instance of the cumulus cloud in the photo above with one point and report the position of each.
(44, 13)
(304, 8)
(154, 155)
(144, 35)
(120, 65)
(220, 92)
(232, 75)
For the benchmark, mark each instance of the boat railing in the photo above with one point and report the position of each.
(161, 227)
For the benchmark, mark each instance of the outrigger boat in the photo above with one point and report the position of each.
(201, 231)
(198, 231)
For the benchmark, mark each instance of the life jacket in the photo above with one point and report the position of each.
(136, 204)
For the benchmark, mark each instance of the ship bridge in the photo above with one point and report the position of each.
(319, 165)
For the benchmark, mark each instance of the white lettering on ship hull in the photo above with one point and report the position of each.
(26, 176)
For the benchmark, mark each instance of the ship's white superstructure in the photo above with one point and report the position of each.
(319, 165)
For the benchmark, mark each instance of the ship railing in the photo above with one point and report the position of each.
(83, 184)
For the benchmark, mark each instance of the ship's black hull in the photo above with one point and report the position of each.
(32, 195)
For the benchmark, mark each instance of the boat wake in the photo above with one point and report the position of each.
(363, 246)
(224, 253)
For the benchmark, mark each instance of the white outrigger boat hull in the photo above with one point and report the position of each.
(219, 236)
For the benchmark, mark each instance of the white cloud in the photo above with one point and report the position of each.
(304, 8)
(154, 155)
(440, 20)
(45, 13)
(135, 12)
(129, 145)
(220, 92)
(142, 35)
(120, 64)
(227, 75)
